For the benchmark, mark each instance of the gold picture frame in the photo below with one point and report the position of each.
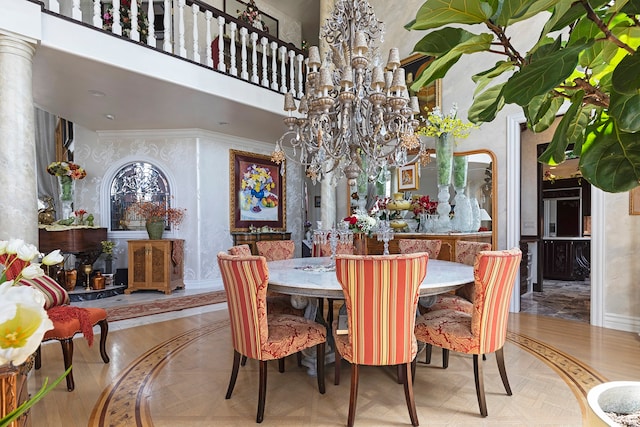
(634, 201)
(408, 177)
(430, 95)
(258, 192)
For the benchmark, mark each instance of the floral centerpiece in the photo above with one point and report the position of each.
(251, 15)
(23, 319)
(125, 19)
(66, 173)
(424, 205)
(256, 187)
(361, 222)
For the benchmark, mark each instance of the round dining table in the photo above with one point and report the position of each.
(316, 277)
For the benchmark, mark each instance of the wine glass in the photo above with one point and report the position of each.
(87, 269)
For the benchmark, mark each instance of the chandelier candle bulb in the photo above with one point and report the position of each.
(347, 78)
(314, 58)
(361, 47)
(394, 59)
(377, 79)
(415, 105)
(398, 84)
(289, 103)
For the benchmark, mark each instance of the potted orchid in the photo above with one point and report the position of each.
(23, 319)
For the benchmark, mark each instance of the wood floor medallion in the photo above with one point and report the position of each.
(127, 401)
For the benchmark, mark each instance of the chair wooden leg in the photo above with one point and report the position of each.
(400, 374)
(104, 330)
(353, 397)
(336, 368)
(477, 373)
(234, 373)
(281, 365)
(320, 348)
(408, 392)
(428, 351)
(413, 369)
(503, 371)
(244, 361)
(329, 311)
(299, 357)
(67, 355)
(445, 358)
(262, 391)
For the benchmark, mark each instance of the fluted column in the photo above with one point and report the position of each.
(18, 191)
(327, 191)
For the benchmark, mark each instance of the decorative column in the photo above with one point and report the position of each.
(17, 142)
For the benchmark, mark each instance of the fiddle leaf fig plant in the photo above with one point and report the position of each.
(586, 57)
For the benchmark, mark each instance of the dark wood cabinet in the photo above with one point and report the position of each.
(156, 265)
(566, 259)
(251, 238)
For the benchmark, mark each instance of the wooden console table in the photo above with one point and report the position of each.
(156, 265)
(447, 251)
(250, 239)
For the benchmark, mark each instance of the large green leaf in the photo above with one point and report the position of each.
(541, 111)
(562, 7)
(555, 152)
(436, 13)
(632, 7)
(485, 107)
(575, 12)
(484, 78)
(543, 75)
(439, 42)
(610, 159)
(625, 108)
(439, 67)
(519, 10)
(626, 76)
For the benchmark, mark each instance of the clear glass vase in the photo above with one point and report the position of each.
(66, 192)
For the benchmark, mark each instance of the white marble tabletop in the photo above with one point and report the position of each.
(300, 276)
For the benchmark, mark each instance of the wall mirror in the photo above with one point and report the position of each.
(481, 184)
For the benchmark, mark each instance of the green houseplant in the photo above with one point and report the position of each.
(585, 56)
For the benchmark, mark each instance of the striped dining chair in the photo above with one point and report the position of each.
(381, 295)
(255, 333)
(483, 331)
(465, 253)
(243, 250)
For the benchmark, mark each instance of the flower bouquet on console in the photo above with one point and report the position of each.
(361, 222)
(23, 319)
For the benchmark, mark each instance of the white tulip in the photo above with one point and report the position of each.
(32, 271)
(3, 246)
(27, 252)
(53, 258)
(23, 322)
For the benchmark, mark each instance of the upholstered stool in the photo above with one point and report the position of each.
(67, 322)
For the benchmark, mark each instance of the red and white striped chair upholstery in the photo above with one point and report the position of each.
(485, 330)
(466, 253)
(381, 295)
(276, 250)
(412, 246)
(256, 334)
(243, 250)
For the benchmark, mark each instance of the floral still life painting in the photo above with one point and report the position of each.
(258, 191)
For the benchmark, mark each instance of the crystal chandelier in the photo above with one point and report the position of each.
(356, 115)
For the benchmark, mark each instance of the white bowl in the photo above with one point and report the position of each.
(622, 397)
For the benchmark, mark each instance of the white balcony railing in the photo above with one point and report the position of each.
(197, 32)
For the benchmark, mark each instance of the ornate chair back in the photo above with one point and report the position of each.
(412, 246)
(275, 250)
(242, 250)
(466, 251)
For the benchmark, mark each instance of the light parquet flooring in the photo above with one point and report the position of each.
(175, 373)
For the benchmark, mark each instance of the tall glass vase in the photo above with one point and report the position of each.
(66, 187)
(444, 158)
(462, 220)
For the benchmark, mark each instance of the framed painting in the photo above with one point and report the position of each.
(408, 177)
(430, 95)
(634, 201)
(258, 192)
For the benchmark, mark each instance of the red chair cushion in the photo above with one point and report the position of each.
(69, 320)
